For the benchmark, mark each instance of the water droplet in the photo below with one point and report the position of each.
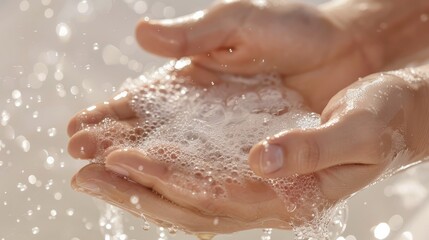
(338, 223)
(140, 7)
(58, 196)
(24, 5)
(146, 225)
(49, 13)
(53, 213)
(23, 143)
(381, 231)
(162, 234)
(52, 132)
(18, 102)
(95, 46)
(70, 212)
(60, 90)
(16, 94)
(83, 7)
(4, 118)
(291, 207)
(63, 31)
(35, 230)
(205, 236)
(41, 71)
(173, 229)
(134, 199)
(58, 75)
(35, 114)
(88, 226)
(266, 233)
(22, 187)
(32, 179)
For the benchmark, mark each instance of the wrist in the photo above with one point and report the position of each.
(348, 18)
(386, 30)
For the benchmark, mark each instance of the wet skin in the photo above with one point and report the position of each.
(317, 58)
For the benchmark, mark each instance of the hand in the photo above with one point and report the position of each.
(369, 130)
(333, 54)
(249, 203)
(311, 49)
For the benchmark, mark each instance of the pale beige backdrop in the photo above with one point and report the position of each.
(57, 57)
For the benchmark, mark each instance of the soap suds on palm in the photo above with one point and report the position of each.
(204, 133)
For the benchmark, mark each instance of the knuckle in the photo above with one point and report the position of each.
(308, 156)
(370, 135)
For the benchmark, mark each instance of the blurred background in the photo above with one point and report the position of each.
(58, 57)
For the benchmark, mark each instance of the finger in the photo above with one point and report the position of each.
(138, 167)
(354, 138)
(154, 174)
(195, 194)
(95, 140)
(198, 33)
(96, 181)
(235, 61)
(117, 108)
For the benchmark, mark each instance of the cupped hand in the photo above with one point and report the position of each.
(366, 128)
(369, 130)
(310, 48)
(204, 204)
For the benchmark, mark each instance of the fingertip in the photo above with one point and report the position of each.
(82, 145)
(160, 39)
(134, 164)
(286, 154)
(72, 126)
(88, 179)
(268, 159)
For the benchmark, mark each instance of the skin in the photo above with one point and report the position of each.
(317, 56)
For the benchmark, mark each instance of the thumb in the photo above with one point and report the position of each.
(351, 139)
(197, 33)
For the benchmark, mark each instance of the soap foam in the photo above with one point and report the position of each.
(207, 132)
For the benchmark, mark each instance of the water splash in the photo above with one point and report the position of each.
(266, 233)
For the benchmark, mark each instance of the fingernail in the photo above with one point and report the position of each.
(271, 159)
(117, 169)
